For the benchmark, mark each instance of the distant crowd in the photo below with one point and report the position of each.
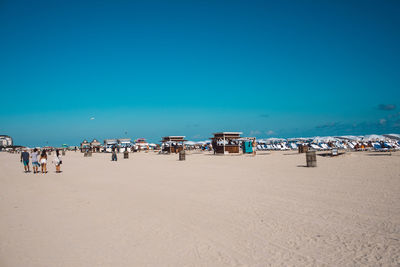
(39, 159)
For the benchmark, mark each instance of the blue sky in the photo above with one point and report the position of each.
(156, 68)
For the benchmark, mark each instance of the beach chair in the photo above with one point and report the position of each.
(285, 147)
(316, 147)
(324, 146)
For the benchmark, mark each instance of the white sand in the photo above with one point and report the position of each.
(153, 210)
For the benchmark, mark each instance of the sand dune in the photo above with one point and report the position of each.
(153, 210)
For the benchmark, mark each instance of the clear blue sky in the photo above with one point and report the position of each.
(156, 68)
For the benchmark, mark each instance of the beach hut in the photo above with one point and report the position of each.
(124, 144)
(173, 144)
(5, 141)
(141, 144)
(95, 145)
(85, 145)
(226, 142)
(109, 143)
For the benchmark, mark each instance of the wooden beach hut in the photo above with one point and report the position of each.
(95, 145)
(141, 144)
(124, 144)
(173, 144)
(85, 145)
(109, 144)
(226, 142)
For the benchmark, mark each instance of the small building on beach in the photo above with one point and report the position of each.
(85, 145)
(226, 142)
(95, 145)
(173, 144)
(124, 144)
(141, 144)
(5, 141)
(109, 144)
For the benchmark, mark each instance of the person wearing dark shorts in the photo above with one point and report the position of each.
(114, 154)
(25, 160)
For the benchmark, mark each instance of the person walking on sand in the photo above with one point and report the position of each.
(114, 154)
(214, 146)
(35, 161)
(57, 161)
(43, 161)
(254, 147)
(25, 160)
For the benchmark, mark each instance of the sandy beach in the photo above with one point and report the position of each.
(153, 210)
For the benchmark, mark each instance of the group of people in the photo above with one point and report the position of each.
(40, 160)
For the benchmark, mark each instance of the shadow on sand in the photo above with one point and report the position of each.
(378, 154)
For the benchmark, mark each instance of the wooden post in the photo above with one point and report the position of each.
(311, 158)
(182, 155)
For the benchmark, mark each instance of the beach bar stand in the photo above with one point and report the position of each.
(226, 142)
(173, 144)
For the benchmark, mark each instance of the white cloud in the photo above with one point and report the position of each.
(270, 132)
(382, 121)
(92, 118)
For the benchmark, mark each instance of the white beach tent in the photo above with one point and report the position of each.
(190, 143)
(373, 137)
(201, 143)
(300, 140)
(350, 137)
(274, 140)
(324, 139)
(393, 136)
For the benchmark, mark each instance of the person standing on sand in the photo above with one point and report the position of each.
(35, 161)
(176, 148)
(57, 161)
(43, 161)
(254, 147)
(25, 160)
